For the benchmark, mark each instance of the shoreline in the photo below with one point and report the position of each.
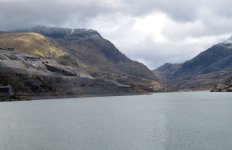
(30, 98)
(47, 97)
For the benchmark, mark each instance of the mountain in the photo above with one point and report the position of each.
(210, 67)
(83, 49)
(95, 54)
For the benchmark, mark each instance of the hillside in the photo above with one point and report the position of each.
(210, 67)
(94, 52)
(38, 45)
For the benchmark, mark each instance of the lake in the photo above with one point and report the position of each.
(162, 121)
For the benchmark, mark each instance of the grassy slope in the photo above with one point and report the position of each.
(31, 43)
(36, 44)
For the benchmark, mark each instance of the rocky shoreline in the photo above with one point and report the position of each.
(226, 87)
(48, 97)
(7, 98)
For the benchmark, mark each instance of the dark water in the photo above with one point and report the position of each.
(162, 121)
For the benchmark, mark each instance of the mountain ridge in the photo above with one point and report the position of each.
(208, 68)
(59, 32)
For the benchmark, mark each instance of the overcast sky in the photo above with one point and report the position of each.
(153, 32)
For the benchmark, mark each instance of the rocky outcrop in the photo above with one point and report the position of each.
(226, 87)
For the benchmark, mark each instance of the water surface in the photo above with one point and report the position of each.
(162, 121)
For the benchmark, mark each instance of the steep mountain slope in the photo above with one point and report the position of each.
(94, 52)
(205, 70)
(101, 55)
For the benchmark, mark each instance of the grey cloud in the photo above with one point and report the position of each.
(156, 55)
(54, 12)
(208, 24)
(23, 14)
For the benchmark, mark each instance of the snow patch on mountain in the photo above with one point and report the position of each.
(228, 42)
(58, 32)
(72, 31)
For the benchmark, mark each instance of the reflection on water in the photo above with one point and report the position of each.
(162, 121)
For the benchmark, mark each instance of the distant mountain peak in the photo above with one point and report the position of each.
(228, 42)
(59, 32)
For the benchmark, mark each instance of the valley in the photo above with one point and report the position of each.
(98, 58)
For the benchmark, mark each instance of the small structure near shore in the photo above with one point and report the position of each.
(6, 90)
(7, 49)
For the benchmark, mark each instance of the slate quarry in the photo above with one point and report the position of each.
(22, 63)
(34, 76)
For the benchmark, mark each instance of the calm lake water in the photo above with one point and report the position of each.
(162, 121)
